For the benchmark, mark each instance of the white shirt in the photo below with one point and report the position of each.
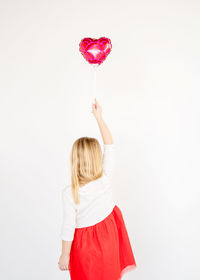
(96, 199)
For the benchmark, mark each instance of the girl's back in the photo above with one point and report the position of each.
(96, 198)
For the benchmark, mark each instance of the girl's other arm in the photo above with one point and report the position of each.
(65, 255)
(104, 130)
(67, 231)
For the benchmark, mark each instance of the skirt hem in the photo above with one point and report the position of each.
(126, 269)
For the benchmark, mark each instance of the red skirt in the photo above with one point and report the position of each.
(102, 251)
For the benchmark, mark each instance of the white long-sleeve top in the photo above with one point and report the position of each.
(96, 199)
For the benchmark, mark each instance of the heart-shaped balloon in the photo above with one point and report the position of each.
(95, 51)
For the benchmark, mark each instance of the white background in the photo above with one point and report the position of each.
(149, 90)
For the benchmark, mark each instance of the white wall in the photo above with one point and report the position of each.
(149, 91)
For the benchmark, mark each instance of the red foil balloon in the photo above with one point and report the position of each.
(95, 51)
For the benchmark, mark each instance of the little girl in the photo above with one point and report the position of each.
(95, 242)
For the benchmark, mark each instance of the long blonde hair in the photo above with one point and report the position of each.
(86, 163)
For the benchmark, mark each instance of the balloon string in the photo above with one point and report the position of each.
(94, 81)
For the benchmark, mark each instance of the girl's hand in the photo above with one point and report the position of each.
(64, 262)
(97, 110)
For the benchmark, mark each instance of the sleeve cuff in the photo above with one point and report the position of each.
(67, 237)
(109, 145)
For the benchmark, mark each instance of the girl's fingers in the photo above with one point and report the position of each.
(63, 267)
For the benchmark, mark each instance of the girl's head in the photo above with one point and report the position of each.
(86, 163)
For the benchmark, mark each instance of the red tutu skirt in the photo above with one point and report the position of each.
(102, 251)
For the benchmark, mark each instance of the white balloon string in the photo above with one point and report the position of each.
(95, 81)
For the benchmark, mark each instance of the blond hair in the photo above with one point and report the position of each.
(86, 163)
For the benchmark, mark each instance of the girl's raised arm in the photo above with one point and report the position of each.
(104, 130)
